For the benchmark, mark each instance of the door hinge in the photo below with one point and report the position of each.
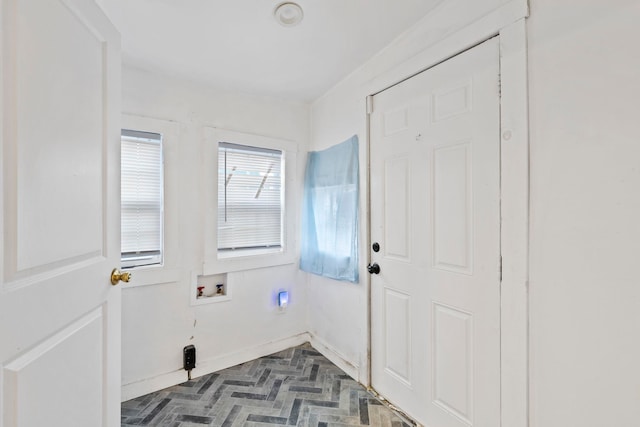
(499, 86)
(500, 268)
(369, 104)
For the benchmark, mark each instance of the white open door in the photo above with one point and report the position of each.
(59, 215)
(435, 216)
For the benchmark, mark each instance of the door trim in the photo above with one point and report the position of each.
(514, 212)
(514, 224)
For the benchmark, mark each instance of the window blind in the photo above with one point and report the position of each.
(142, 198)
(250, 197)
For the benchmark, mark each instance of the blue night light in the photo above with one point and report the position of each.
(283, 299)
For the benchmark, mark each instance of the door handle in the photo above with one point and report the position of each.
(117, 277)
(373, 268)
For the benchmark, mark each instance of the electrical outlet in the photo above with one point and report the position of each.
(189, 357)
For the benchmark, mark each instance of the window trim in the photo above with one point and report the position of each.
(169, 271)
(216, 262)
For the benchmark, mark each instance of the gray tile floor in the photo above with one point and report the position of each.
(296, 387)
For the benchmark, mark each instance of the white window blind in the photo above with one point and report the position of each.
(250, 197)
(142, 198)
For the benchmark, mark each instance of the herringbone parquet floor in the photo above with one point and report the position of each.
(296, 387)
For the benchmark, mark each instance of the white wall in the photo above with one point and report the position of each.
(158, 320)
(584, 62)
(584, 65)
(338, 312)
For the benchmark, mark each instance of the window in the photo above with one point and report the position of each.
(250, 218)
(142, 198)
(250, 197)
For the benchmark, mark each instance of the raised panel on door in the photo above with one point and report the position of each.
(60, 318)
(397, 332)
(46, 103)
(451, 203)
(452, 353)
(397, 208)
(46, 373)
(435, 213)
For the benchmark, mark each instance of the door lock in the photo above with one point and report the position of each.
(373, 268)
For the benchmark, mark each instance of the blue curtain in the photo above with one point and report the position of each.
(329, 240)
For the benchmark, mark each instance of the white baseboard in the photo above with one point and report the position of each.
(207, 366)
(350, 368)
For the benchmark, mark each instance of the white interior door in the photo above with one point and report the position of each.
(435, 213)
(59, 214)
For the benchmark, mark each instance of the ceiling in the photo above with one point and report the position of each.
(238, 45)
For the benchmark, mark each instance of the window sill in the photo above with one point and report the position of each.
(248, 260)
(239, 253)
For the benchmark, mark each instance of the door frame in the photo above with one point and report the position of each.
(510, 27)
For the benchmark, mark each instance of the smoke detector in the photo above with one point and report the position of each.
(288, 14)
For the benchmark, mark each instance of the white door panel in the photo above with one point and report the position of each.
(435, 188)
(60, 192)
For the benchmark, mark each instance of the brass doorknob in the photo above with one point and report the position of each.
(117, 276)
